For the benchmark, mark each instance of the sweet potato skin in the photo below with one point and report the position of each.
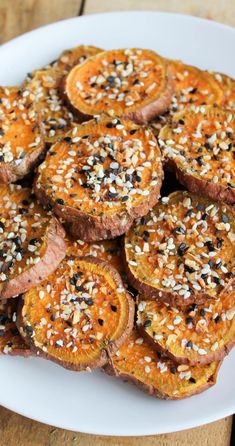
(105, 353)
(54, 254)
(218, 355)
(151, 390)
(156, 108)
(89, 228)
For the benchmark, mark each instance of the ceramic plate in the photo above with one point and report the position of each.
(93, 402)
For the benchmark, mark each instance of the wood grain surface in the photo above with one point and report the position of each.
(17, 17)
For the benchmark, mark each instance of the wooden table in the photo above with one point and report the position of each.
(17, 17)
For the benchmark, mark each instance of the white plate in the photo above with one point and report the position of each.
(95, 403)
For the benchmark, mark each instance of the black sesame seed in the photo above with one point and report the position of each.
(189, 320)
(52, 318)
(224, 218)
(199, 160)
(136, 82)
(33, 241)
(173, 370)
(210, 263)
(216, 280)
(101, 322)
(147, 323)
(133, 131)
(60, 201)
(89, 302)
(182, 249)
(2, 226)
(189, 344)
(114, 308)
(178, 230)
(181, 121)
(192, 380)
(125, 198)
(217, 319)
(110, 125)
(29, 329)
(67, 139)
(23, 211)
(189, 269)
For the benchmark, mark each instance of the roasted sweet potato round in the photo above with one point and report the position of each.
(74, 56)
(199, 334)
(132, 83)
(199, 147)
(192, 88)
(137, 362)
(31, 241)
(108, 250)
(21, 138)
(183, 250)
(43, 90)
(101, 177)
(228, 86)
(11, 343)
(79, 316)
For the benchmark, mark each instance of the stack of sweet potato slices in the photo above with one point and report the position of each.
(97, 268)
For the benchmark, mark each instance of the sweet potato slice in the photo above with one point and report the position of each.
(101, 177)
(132, 83)
(192, 88)
(11, 343)
(74, 56)
(79, 316)
(108, 250)
(21, 139)
(31, 241)
(43, 91)
(199, 147)
(183, 251)
(228, 86)
(196, 335)
(137, 362)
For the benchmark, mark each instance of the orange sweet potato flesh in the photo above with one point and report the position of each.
(137, 362)
(21, 139)
(132, 83)
(183, 250)
(193, 87)
(31, 241)
(196, 335)
(228, 86)
(79, 316)
(11, 343)
(199, 147)
(101, 177)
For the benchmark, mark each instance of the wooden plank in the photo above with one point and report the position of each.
(20, 431)
(222, 11)
(19, 16)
